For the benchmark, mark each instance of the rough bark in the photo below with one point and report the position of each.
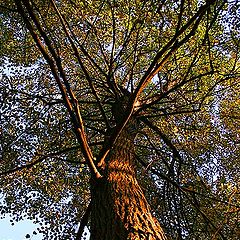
(119, 207)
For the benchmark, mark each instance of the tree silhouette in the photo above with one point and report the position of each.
(121, 115)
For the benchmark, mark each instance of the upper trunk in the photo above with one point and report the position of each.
(119, 207)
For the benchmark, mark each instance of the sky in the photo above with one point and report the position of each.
(19, 230)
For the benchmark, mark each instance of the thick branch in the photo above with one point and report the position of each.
(163, 137)
(39, 160)
(72, 109)
(84, 222)
(81, 63)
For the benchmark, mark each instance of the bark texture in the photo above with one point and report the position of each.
(119, 207)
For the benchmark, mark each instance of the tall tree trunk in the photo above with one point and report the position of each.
(119, 207)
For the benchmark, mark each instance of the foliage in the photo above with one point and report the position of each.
(65, 65)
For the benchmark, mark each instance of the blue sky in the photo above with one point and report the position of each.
(19, 230)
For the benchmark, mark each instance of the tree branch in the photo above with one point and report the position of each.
(39, 160)
(81, 64)
(184, 191)
(72, 109)
(155, 67)
(163, 137)
(8, 9)
(83, 222)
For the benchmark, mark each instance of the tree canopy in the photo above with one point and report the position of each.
(68, 66)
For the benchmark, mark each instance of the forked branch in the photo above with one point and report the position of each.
(56, 68)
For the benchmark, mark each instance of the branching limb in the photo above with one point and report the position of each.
(55, 65)
(176, 153)
(27, 166)
(38, 160)
(8, 9)
(155, 67)
(82, 66)
(173, 45)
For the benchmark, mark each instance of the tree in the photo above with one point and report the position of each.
(108, 107)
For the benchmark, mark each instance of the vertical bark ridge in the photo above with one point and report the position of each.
(120, 209)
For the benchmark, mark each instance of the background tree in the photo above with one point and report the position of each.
(100, 97)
